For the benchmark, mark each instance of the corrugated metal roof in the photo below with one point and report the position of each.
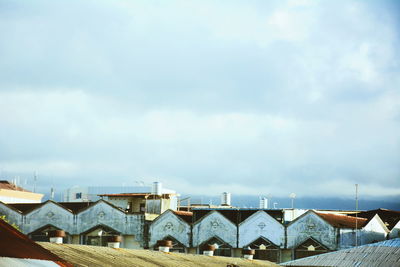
(386, 253)
(5, 261)
(81, 255)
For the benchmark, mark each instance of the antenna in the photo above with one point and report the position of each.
(34, 181)
(356, 214)
(292, 196)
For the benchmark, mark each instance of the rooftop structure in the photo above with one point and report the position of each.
(93, 193)
(11, 193)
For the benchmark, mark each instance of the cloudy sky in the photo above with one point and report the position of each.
(250, 97)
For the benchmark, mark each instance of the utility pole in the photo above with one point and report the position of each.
(356, 214)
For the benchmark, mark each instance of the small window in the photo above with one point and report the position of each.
(78, 195)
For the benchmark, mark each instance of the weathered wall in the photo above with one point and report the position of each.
(169, 224)
(261, 224)
(101, 214)
(12, 215)
(311, 225)
(214, 224)
(49, 213)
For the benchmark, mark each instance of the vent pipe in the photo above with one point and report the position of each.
(263, 203)
(248, 253)
(226, 199)
(114, 241)
(209, 250)
(164, 245)
(156, 189)
(56, 236)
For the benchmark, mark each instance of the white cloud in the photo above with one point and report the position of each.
(281, 93)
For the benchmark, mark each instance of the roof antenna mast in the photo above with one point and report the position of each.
(356, 214)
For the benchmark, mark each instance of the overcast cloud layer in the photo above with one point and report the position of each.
(251, 97)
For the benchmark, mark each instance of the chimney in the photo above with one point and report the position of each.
(114, 241)
(164, 245)
(209, 250)
(248, 253)
(56, 236)
(226, 199)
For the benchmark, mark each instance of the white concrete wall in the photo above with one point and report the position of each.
(214, 224)
(395, 232)
(373, 231)
(169, 224)
(261, 224)
(311, 225)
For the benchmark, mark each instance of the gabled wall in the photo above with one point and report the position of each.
(311, 225)
(374, 231)
(261, 224)
(169, 224)
(214, 224)
(395, 232)
(12, 215)
(48, 213)
(98, 214)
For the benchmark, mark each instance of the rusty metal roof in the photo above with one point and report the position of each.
(15, 244)
(343, 221)
(185, 215)
(381, 254)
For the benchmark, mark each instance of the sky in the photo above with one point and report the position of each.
(249, 97)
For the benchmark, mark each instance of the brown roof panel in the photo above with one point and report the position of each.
(343, 221)
(185, 215)
(15, 244)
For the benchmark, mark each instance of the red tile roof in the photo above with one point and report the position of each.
(343, 221)
(15, 244)
(9, 186)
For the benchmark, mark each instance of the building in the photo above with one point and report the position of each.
(172, 225)
(92, 193)
(11, 193)
(151, 205)
(84, 223)
(230, 230)
(320, 232)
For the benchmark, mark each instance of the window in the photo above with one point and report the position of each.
(78, 195)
